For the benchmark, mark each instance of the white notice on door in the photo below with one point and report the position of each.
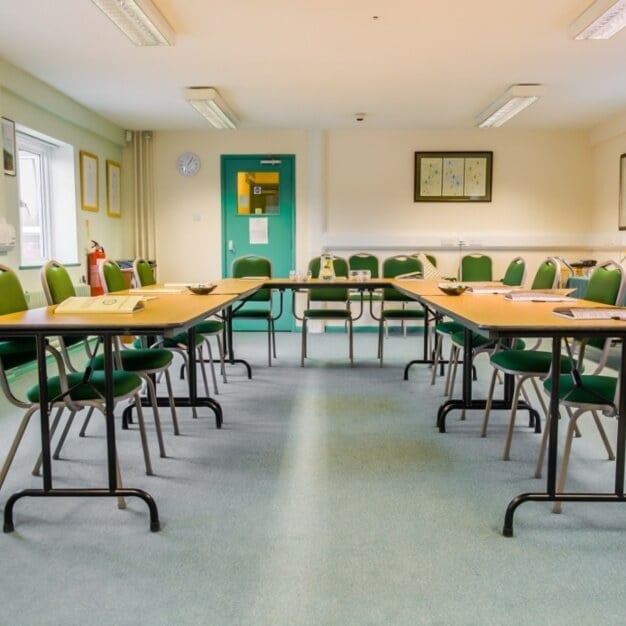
(258, 230)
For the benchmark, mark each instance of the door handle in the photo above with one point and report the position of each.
(231, 246)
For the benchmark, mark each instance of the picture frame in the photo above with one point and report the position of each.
(9, 152)
(454, 176)
(114, 194)
(89, 184)
(622, 193)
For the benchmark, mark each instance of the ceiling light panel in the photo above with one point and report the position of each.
(139, 20)
(207, 101)
(601, 20)
(512, 102)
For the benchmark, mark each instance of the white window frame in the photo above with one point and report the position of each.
(58, 219)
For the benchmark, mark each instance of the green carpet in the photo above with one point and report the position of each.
(328, 498)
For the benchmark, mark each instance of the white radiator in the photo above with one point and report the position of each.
(37, 298)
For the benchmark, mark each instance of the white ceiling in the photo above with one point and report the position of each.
(310, 64)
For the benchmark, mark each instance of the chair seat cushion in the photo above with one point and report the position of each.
(259, 314)
(478, 341)
(448, 328)
(209, 327)
(331, 314)
(527, 362)
(139, 360)
(402, 314)
(182, 339)
(16, 352)
(598, 390)
(124, 383)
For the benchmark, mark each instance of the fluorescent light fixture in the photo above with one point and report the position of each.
(514, 100)
(139, 20)
(208, 103)
(601, 20)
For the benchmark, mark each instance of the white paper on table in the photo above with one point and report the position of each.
(258, 230)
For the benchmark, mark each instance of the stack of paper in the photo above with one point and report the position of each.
(591, 313)
(537, 296)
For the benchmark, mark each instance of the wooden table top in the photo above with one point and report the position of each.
(496, 316)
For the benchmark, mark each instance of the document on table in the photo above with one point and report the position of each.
(592, 313)
(537, 296)
(150, 291)
(100, 304)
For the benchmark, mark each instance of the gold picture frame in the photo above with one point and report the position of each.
(114, 193)
(9, 152)
(621, 220)
(89, 184)
(453, 176)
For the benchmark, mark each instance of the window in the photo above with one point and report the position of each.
(47, 211)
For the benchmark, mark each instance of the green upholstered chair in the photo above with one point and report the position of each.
(364, 261)
(336, 297)
(143, 274)
(66, 390)
(394, 305)
(473, 267)
(146, 363)
(476, 267)
(113, 280)
(258, 306)
(515, 272)
(592, 393)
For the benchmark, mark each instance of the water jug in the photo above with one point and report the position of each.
(327, 269)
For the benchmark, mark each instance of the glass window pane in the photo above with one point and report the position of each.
(258, 193)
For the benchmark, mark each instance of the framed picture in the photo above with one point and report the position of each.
(622, 192)
(89, 189)
(453, 176)
(114, 196)
(8, 146)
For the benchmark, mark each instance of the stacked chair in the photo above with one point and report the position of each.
(145, 363)
(394, 305)
(258, 306)
(338, 297)
(144, 277)
(592, 393)
(68, 391)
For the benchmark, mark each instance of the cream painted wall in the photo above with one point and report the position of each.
(188, 210)
(363, 197)
(35, 105)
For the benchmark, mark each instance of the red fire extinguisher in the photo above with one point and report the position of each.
(93, 274)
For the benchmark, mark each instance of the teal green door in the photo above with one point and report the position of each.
(258, 217)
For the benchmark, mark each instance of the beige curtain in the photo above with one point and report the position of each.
(143, 201)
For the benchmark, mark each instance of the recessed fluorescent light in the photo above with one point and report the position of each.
(139, 20)
(514, 100)
(601, 20)
(208, 103)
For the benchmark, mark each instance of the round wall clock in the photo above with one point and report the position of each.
(188, 164)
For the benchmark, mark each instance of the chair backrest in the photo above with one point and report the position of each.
(364, 261)
(112, 276)
(548, 274)
(515, 272)
(20, 350)
(12, 298)
(56, 282)
(606, 283)
(395, 266)
(253, 265)
(143, 273)
(328, 294)
(476, 267)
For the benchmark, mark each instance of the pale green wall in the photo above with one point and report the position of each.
(34, 104)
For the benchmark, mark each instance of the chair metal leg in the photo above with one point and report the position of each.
(220, 349)
(269, 343)
(170, 394)
(53, 427)
(556, 507)
(605, 439)
(151, 393)
(381, 339)
(350, 341)
(506, 456)
(142, 434)
(16, 443)
(303, 348)
(492, 384)
(211, 364)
